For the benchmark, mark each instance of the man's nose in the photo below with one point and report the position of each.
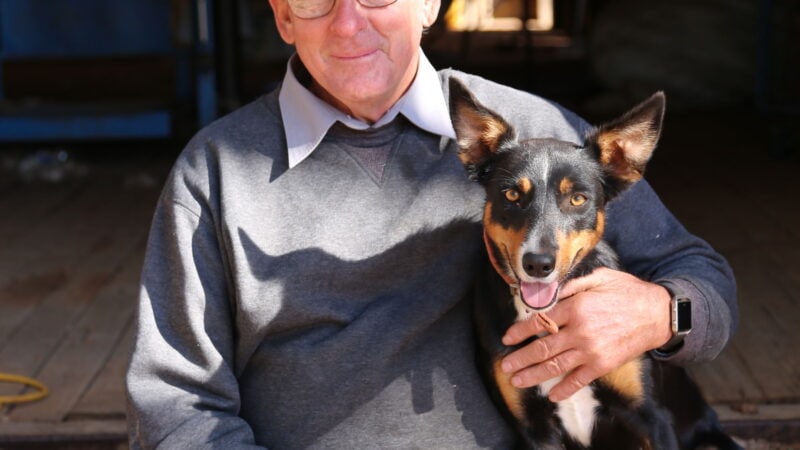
(349, 17)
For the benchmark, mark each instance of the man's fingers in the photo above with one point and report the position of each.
(553, 367)
(581, 284)
(571, 384)
(525, 329)
(534, 353)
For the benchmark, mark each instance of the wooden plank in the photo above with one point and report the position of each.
(66, 431)
(759, 365)
(44, 261)
(29, 347)
(64, 236)
(78, 217)
(764, 342)
(770, 184)
(87, 346)
(787, 270)
(33, 203)
(20, 297)
(106, 396)
(757, 411)
(727, 379)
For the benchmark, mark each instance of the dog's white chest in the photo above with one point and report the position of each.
(577, 413)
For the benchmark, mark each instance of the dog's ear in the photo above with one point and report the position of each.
(480, 132)
(625, 145)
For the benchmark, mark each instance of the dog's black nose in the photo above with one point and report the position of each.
(538, 265)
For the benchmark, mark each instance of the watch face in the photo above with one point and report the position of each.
(684, 310)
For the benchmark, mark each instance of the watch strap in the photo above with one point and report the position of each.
(680, 318)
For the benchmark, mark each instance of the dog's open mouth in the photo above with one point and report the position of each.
(539, 296)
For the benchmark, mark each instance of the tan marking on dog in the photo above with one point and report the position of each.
(622, 152)
(486, 130)
(511, 395)
(480, 135)
(493, 231)
(627, 380)
(525, 185)
(573, 246)
(566, 186)
(508, 239)
(492, 132)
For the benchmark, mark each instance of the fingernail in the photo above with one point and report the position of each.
(516, 381)
(507, 367)
(506, 340)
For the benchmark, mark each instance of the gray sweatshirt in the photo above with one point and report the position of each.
(326, 306)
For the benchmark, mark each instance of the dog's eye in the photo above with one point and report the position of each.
(512, 195)
(578, 200)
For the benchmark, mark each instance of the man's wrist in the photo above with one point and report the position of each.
(680, 318)
(664, 329)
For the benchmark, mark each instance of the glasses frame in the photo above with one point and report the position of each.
(370, 4)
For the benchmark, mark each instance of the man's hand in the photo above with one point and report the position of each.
(606, 319)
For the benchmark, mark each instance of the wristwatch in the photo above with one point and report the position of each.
(680, 321)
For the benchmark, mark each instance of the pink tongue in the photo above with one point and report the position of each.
(538, 295)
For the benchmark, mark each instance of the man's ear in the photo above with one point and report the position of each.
(283, 20)
(625, 145)
(430, 11)
(479, 131)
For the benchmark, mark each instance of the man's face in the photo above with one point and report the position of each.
(363, 58)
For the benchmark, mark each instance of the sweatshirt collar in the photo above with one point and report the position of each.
(306, 118)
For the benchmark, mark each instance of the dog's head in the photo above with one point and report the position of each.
(545, 198)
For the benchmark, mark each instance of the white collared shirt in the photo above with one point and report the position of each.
(307, 118)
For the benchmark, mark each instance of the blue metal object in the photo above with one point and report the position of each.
(85, 29)
(154, 124)
(206, 74)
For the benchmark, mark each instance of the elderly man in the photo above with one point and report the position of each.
(311, 257)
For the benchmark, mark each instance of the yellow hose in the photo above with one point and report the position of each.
(40, 393)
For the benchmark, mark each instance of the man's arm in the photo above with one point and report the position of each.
(182, 390)
(654, 246)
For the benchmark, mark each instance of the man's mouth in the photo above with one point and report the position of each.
(356, 55)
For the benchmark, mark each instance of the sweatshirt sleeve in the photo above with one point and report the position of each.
(654, 246)
(181, 385)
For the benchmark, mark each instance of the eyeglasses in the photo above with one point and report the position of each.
(312, 9)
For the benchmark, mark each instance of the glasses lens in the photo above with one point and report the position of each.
(310, 9)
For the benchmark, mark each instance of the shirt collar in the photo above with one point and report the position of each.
(307, 118)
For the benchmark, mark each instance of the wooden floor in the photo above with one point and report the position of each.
(70, 254)
(718, 175)
(69, 266)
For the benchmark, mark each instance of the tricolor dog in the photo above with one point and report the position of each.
(543, 225)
